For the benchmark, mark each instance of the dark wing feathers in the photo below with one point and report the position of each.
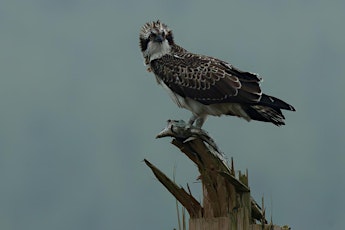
(206, 79)
(210, 81)
(245, 76)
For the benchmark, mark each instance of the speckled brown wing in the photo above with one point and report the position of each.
(207, 80)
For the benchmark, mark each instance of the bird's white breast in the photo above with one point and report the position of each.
(180, 101)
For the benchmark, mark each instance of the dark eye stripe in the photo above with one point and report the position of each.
(143, 44)
(170, 38)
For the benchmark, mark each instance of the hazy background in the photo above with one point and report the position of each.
(79, 111)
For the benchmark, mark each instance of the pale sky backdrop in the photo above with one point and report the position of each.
(79, 111)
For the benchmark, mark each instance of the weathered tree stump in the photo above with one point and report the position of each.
(227, 203)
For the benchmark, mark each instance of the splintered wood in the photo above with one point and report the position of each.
(227, 203)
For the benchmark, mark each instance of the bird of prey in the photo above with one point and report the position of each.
(206, 85)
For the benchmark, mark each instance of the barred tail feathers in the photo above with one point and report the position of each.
(275, 102)
(266, 114)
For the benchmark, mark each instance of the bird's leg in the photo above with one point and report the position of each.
(191, 121)
(200, 121)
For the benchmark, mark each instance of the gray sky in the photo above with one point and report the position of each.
(79, 112)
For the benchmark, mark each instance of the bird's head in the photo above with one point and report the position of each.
(156, 40)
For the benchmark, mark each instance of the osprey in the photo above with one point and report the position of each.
(206, 85)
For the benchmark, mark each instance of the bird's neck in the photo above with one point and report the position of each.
(157, 50)
(177, 49)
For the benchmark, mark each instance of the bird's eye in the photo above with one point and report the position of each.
(152, 35)
(163, 34)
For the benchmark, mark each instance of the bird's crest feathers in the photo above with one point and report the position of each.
(153, 27)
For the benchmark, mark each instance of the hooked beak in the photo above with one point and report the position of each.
(159, 38)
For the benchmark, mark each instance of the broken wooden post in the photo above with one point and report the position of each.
(227, 203)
